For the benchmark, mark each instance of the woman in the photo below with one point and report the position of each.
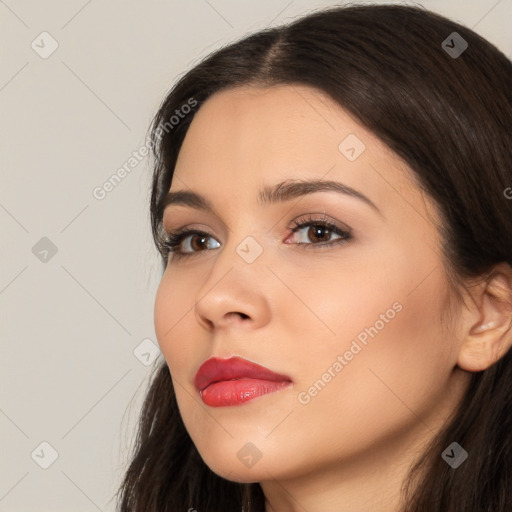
(330, 203)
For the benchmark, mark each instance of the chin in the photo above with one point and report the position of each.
(234, 471)
(242, 463)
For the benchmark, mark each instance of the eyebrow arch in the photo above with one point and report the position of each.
(283, 191)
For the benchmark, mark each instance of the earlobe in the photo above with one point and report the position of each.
(490, 337)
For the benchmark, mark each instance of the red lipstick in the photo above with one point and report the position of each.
(234, 381)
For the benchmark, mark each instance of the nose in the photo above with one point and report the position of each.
(234, 295)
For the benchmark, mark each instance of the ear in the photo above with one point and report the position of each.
(487, 334)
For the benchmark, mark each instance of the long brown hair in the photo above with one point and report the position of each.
(449, 116)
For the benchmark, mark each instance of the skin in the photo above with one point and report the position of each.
(295, 310)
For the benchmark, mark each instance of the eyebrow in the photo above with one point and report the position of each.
(283, 191)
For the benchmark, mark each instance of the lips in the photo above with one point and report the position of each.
(234, 381)
(216, 370)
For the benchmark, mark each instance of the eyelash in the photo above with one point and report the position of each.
(175, 238)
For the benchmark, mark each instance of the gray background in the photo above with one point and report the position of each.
(78, 341)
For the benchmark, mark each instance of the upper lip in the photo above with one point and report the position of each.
(215, 370)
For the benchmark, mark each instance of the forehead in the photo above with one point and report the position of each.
(262, 126)
(273, 121)
(245, 138)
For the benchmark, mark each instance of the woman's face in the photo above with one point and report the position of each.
(358, 325)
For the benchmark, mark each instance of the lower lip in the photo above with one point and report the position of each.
(239, 391)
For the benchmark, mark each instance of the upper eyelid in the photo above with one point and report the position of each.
(300, 219)
(323, 214)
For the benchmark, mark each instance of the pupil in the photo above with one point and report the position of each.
(202, 238)
(316, 231)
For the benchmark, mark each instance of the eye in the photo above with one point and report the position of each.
(194, 241)
(319, 231)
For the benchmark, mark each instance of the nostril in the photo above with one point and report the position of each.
(242, 315)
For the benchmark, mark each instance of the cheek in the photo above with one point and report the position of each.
(172, 309)
(397, 370)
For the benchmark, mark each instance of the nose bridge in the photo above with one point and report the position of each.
(244, 245)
